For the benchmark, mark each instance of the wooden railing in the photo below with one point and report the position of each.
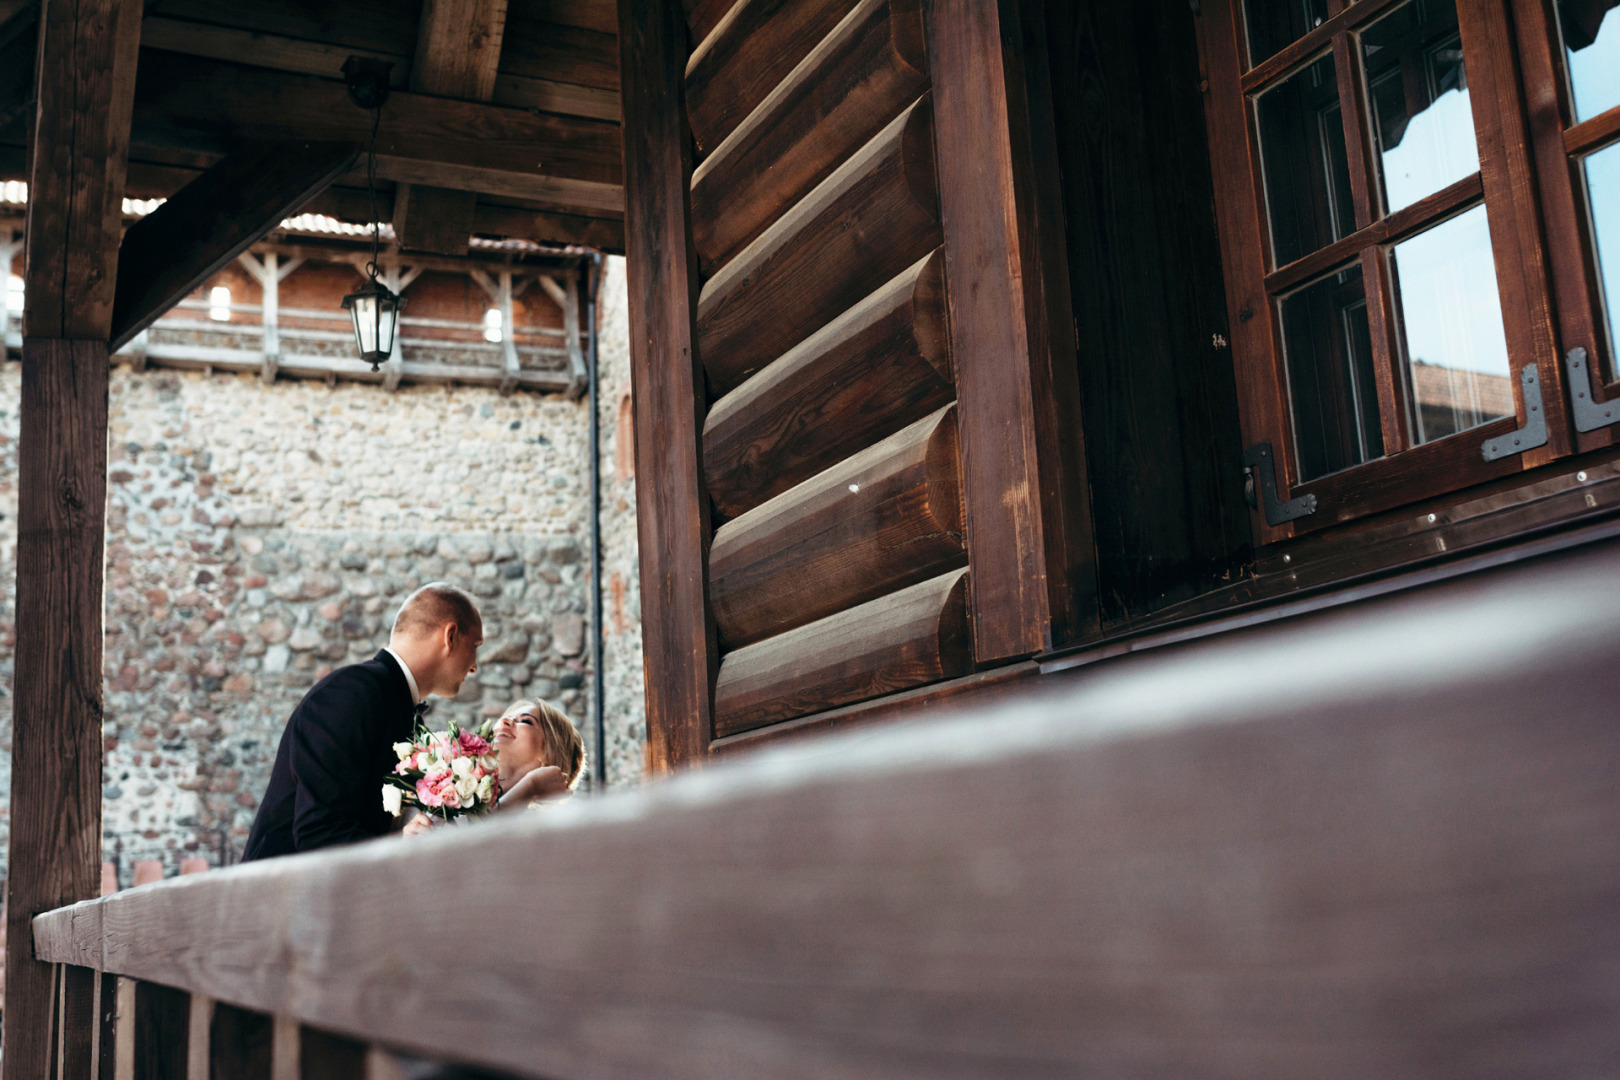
(1376, 841)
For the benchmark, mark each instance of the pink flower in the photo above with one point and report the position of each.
(447, 793)
(428, 793)
(473, 744)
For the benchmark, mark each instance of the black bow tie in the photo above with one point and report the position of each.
(423, 709)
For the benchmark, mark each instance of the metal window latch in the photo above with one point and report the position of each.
(1262, 473)
(1590, 414)
(1534, 432)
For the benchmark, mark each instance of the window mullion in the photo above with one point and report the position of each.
(1383, 321)
(1353, 111)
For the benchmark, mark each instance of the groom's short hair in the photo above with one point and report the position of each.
(435, 604)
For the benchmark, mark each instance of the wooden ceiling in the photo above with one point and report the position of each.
(503, 120)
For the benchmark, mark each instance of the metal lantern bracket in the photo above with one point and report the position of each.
(1590, 414)
(1262, 472)
(367, 79)
(1534, 432)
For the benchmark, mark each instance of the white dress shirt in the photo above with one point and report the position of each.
(410, 679)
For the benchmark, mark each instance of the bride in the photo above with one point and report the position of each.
(540, 757)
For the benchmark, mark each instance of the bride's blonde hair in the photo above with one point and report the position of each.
(564, 748)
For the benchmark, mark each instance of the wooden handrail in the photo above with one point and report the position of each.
(1375, 841)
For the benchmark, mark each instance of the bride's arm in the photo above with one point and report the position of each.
(544, 782)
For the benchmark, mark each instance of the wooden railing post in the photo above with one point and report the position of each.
(86, 82)
(76, 1023)
(240, 1044)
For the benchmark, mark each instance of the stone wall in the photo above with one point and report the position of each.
(259, 536)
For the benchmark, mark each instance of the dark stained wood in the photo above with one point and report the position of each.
(212, 220)
(868, 221)
(603, 234)
(557, 52)
(1160, 408)
(435, 220)
(888, 517)
(847, 90)
(325, 1056)
(385, 27)
(599, 15)
(197, 103)
(162, 1031)
(915, 636)
(86, 68)
(77, 1023)
(240, 1041)
(1317, 40)
(672, 509)
(882, 364)
(1129, 871)
(104, 1036)
(703, 16)
(750, 52)
(1589, 134)
(1012, 338)
(932, 702)
(19, 33)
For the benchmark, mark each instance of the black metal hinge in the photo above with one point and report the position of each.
(1262, 488)
(1534, 432)
(1589, 413)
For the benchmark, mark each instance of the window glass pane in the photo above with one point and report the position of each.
(1603, 194)
(1331, 385)
(1419, 88)
(1275, 23)
(1308, 195)
(1451, 328)
(1592, 43)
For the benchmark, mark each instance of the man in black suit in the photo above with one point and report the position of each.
(326, 787)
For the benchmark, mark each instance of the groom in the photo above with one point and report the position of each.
(326, 787)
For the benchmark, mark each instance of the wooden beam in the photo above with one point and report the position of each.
(1012, 341)
(749, 54)
(543, 227)
(568, 300)
(437, 220)
(672, 508)
(212, 220)
(889, 517)
(911, 637)
(876, 368)
(19, 20)
(85, 70)
(563, 192)
(867, 222)
(850, 86)
(198, 103)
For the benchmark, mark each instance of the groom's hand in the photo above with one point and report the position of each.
(421, 823)
(543, 783)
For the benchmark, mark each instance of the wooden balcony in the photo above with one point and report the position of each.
(1373, 840)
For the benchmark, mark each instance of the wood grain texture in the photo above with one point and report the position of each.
(868, 221)
(85, 70)
(888, 517)
(1012, 339)
(435, 220)
(543, 227)
(458, 48)
(538, 47)
(672, 509)
(197, 103)
(241, 1043)
(1158, 866)
(54, 853)
(882, 364)
(703, 16)
(104, 1036)
(747, 56)
(914, 636)
(76, 1024)
(850, 86)
(162, 1031)
(208, 223)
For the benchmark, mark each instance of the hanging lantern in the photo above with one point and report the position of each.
(375, 311)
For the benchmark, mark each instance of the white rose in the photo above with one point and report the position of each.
(403, 750)
(466, 786)
(486, 788)
(462, 766)
(393, 799)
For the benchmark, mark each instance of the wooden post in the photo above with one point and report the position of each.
(86, 75)
(509, 356)
(271, 282)
(567, 298)
(394, 366)
(1023, 457)
(8, 248)
(77, 1023)
(672, 507)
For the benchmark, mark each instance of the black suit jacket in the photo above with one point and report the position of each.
(326, 787)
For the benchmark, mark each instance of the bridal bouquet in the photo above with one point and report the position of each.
(447, 774)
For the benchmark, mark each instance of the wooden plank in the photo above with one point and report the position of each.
(602, 233)
(198, 103)
(889, 517)
(868, 221)
(703, 16)
(55, 818)
(366, 27)
(437, 220)
(19, 21)
(104, 1033)
(325, 1056)
(286, 1047)
(911, 637)
(881, 365)
(1156, 867)
(212, 220)
(556, 192)
(162, 1031)
(849, 88)
(85, 72)
(124, 1041)
(540, 48)
(750, 52)
(199, 1037)
(599, 15)
(77, 1023)
(672, 509)
(1012, 335)
(240, 1044)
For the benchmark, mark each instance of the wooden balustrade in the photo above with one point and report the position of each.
(1375, 840)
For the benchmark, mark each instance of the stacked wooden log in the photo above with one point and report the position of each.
(838, 571)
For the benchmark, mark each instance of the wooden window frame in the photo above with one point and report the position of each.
(1504, 185)
(1560, 146)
